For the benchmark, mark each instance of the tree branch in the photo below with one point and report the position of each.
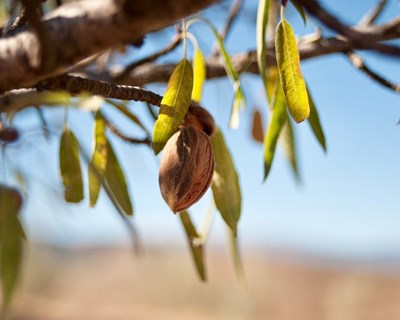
(353, 35)
(371, 16)
(76, 85)
(79, 29)
(359, 64)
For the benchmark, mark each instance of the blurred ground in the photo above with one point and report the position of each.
(111, 283)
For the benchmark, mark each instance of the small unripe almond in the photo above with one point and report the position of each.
(186, 168)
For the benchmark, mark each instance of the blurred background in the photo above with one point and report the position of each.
(325, 248)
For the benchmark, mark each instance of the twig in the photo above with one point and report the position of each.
(174, 43)
(354, 36)
(235, 9)
(19, 22)
(123, 137)
(371, 16)
(359, 63)
(77, 85)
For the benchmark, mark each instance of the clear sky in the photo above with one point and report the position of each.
(346, 206)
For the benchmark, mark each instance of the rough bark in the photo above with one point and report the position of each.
(80, 29)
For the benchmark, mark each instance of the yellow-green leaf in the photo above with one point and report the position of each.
(11, 242)
(116, 181)
(199, 74)
(70, 167)
(225, 183)
(275, 126)
(288, 62)
(315, 123)
(195, 244)
(289, 145)
(300, 10)
(262, 21)
(174, 104)
(97, 165)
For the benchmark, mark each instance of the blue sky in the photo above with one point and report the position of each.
(346, 206)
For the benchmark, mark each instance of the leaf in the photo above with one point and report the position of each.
(262, 22)
(275, 126)
(174, 104)
(125, 111)
(225, 183)
(315, 123)
(11, 242)
(195, 244)
(238, 97)
(98, 163)
(70, 167)
(288, 140)
(199, 74)
(237, 261)
(300, 10)
(115, 179)
(288, 62)
(257, 131)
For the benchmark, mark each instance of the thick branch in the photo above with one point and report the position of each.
(77, 30)
(77, 85)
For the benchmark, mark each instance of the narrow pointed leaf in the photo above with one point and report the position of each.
(288, 62)
(195, 244)
(199, 74)
(287, 139)
(70, 167)
(300, 10)
(11, 242)
(225, 183)
(174, 104)
(275, 126)
(237, 261)
(116, 181)
(262, 22)
(257, 131)
(97, 165)
(315, 123)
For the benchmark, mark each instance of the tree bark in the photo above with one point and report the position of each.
(80, 29)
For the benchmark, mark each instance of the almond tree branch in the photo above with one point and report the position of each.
(354, 36)
(76, 85)
(359, 64)
(123, 137)
(174, 43)
(79, 29)
(371, 16)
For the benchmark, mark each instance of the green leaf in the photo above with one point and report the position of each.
(289, 145)
(199, 73)
(238, 97)
(288, 62)
(278, 120)
(262, 22)
(315, 123)
(11, 242)
(70, 167)
(195, 243)
(300, 10)
(174, 104)
(225, 183)
(97, 165)
(116, 181)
